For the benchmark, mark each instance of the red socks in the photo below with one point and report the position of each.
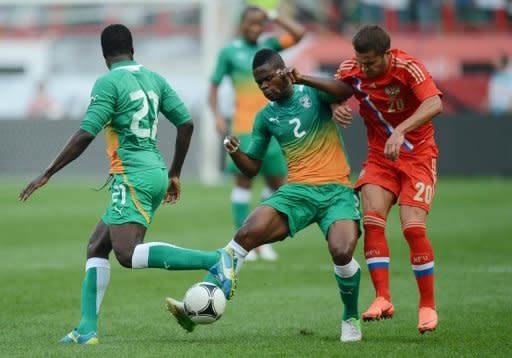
(422, 261)
(376, 252)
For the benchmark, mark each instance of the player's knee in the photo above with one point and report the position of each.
(124, 257)
(341, 254)
(248, 236)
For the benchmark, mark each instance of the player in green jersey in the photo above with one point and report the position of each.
(234, 62)
(318, 189)
(125, 103)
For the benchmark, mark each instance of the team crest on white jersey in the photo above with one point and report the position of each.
(305, 101)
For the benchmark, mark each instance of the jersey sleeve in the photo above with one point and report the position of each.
(345, 70)
(221, 68)
(171, 105)
(325, 97)
(279, 43)
(420, 80)
(101, 107)
(260, 138)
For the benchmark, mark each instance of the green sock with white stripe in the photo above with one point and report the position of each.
(97, 276)
(240, 200)
(348, 277)
(170, 257)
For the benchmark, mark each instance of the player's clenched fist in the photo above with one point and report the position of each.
(343, 115)
(231, 143)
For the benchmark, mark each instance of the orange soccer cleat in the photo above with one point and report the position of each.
(427, 319)
(380, 308)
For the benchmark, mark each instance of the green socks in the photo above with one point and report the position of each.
(170, 257)
(97, 276)
(240, 200)
(348, 278)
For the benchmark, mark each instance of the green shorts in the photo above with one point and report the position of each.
(136, 196)
(323, 204)
(273, 164)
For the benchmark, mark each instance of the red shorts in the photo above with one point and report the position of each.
(411, 179)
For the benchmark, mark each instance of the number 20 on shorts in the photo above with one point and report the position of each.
(424, 192)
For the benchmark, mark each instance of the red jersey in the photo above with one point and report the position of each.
(389, 99)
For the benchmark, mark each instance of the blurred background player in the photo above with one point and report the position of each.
(235, 61)
(398, 100)
(499, 94)
(126, 102)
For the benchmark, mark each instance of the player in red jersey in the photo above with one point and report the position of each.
(398, 100)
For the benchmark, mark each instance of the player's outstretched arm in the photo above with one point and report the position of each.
(75, 146)
(335, 88)
(221, 123)
(250, 167)
(180, 152)
(295, 29)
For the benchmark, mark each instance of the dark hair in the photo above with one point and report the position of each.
(247, 10)
(116, 40)
(266, 55)
(371, 38)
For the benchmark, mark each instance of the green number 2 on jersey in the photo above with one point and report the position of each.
(142, 114)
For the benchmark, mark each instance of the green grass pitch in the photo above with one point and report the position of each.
(287, 308)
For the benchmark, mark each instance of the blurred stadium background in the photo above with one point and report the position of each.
(50, 56)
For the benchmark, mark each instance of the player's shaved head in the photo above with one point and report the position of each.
(267, 56)
(371, 38)
(116, 40)
(249, 9)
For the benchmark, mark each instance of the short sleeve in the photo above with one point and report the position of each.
(279, 43)
(324, 97)
(420, 80)
(260, 138)
(345, 71)
(101, 107)
(221, 68)
(171, 105)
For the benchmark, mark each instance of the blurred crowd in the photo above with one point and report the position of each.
(45, 95)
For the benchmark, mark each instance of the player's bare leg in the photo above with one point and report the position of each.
(342, 240)
(95, 284)
(422, 260)
(377, 202)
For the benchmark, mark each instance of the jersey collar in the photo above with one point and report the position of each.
(125, 65)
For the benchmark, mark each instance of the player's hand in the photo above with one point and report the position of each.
(292, 74)
(231, 143)
(342, 115)
(173, 191)
(393, 145)
(221, 125)
(33, 186)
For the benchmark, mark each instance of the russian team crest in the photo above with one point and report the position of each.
(305, 101)
(392, 91)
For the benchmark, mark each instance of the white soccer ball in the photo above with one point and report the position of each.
(204, 302)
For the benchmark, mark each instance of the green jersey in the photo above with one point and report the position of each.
(310, 140)
(235, 61)
(126, 102)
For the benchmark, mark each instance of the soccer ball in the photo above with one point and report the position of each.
(204, 303)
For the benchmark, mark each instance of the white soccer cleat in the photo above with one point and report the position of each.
(251, 256)
(267, 253)
(351, 330)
